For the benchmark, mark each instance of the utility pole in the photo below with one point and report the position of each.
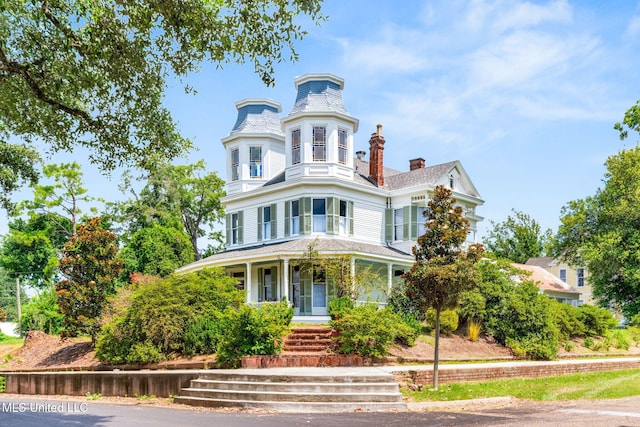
(18, 305)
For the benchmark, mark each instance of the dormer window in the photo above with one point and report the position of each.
(295, 146)
(255, 162)
(343, 148)
(319, 144)
(235, 164)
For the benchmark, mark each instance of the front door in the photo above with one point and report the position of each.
(319, 299)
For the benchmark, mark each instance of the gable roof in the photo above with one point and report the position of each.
(544, 262)
(546, 281)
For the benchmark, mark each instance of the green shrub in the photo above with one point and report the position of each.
(3, 384)
(621, 341)
(472, 307)
(567, 320)
(635, 333)
(367, 331)
(41, 313)
(588, 342)
(202, 335)
(402, 304)
(596, 320)
(408, 330)
(533, 346)
(160, 313)
(635, 320)
(448, 321)
(338, 307)
(252, 331)
(145, 352)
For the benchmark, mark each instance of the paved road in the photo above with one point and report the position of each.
(33, 412)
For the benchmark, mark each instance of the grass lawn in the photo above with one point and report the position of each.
(592, 385)
(7, 345)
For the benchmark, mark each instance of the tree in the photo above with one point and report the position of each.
(157, 251)
(8, 300)
(17, 167)
(90, 267)
(62, 198)
(631, 121)
(183, 197)
(442, 270)
(31, 249)
(93, 74)
(518, 238)
(601, 233)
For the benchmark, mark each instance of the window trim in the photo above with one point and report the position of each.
(316, 144)
(343, 146)
(296, 146)
(235, 164)
(257, 165)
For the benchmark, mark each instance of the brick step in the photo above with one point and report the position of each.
(307, 348)
(311, 330)
(325, 342)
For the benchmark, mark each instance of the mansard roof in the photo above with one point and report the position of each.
(258, 116)
(319, 93)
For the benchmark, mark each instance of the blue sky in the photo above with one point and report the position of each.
(524, 94)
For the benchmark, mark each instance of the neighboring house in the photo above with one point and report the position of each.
(550, 284)
(297, 180)
(573, 276)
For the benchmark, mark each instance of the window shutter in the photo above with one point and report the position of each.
(406, 222)
(351, 221)
(260, 284)
(274, 283)
(305, 215)
(414, 223)
(259, 224)
(240, 227)
(287, 219)
(333, 215)
(274, 221)
(388, 225)
(305, 294)
(228, 219)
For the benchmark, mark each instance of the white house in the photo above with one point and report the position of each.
(294, 181)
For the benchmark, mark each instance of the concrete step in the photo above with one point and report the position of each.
(296, 389)
(298, 407)
(290, 395)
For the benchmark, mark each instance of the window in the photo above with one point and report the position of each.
(239, 276)
(267, 284)
(563, 274)
(255, 162)
(422, 220)
(295, 217)
(344, 218)
(295, 146)
(319, 144)
(235, 164)
(398, 224)
(266, 223)
(319, 215)
(342, 146)
(235, 223)
(580, 276)
(451, 182)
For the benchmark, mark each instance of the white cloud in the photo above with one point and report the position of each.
(633, 27)
(527, 15)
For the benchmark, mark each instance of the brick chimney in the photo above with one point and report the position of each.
(416, 164)
(376, 148)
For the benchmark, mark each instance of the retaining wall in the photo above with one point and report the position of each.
(112, 383)
(491, 371)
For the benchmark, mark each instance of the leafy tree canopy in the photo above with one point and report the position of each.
(602, 233)
(518, 238)
(93, 73)
(184, 197)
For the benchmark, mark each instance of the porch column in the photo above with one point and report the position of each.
(285, 279)
(389, 276)
(248, 285)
